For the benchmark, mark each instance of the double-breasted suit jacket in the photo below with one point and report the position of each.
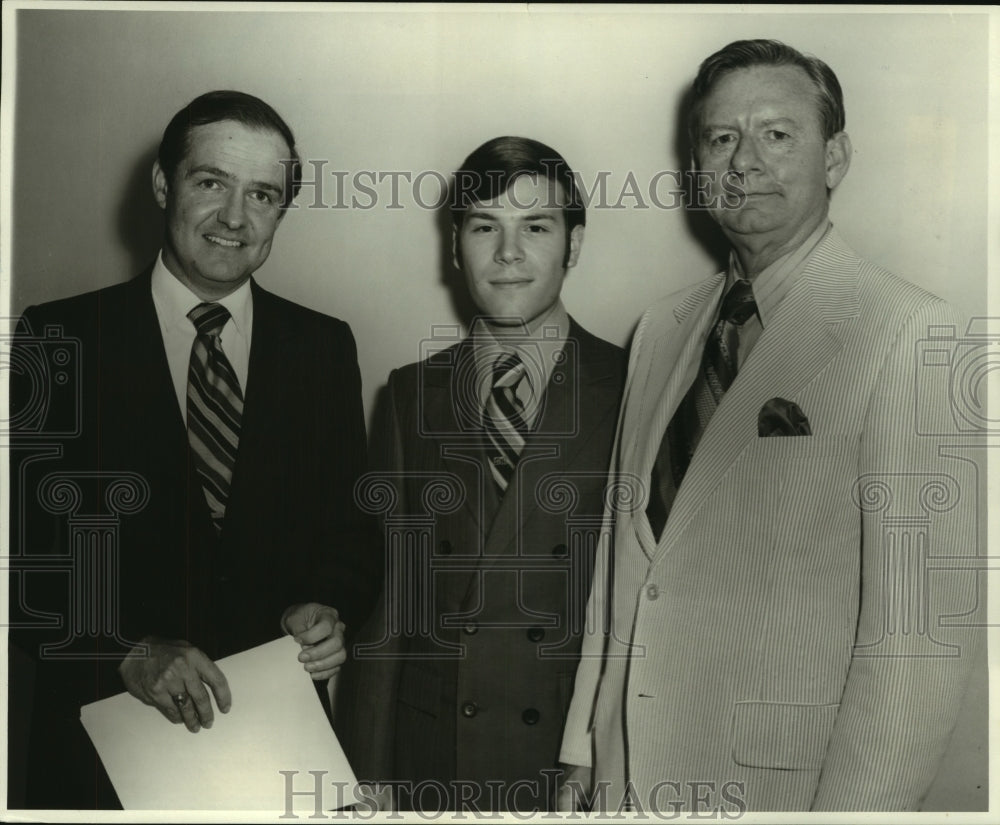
(292, 531)
(789, 640)
(476, 687)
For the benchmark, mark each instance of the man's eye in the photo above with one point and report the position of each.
(261, 197)
(209, 185)
(776, 134)
(536, 228)
(722, 140)
(481, 228)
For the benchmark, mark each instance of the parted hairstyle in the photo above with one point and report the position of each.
(240, 107)
(743, 54)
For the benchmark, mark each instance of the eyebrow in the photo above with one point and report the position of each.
(771, 121)
(221, 173)
(490, 216)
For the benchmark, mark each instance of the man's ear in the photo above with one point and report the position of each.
(159, 185)
(575, 245)
(455, 248)
(838, 158)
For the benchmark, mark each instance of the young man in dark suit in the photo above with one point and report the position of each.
(220, 427)
(496, 448)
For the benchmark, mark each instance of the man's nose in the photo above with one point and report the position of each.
(746, 157)
(233, 211)
(509, 247)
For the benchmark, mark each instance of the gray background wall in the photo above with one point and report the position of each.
(401, 90)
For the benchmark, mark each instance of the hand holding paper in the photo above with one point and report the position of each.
(171, 677)
(275, 751)
(321, 633)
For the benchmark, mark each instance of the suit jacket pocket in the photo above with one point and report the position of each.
(420, 689)
(779, 735)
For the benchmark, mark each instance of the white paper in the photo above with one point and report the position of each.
(276, 724)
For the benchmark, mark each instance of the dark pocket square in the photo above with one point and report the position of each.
(782, 417)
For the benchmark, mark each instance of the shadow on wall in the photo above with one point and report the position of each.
(140, 220)
(701, 226)
(452, 278)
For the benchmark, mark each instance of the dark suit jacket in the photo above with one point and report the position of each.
(292, 531)
(477, 682)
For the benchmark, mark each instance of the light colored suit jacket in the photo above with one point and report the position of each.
(793, 640)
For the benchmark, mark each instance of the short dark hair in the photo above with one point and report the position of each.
(743, 54)
(494, 167)
(217, 106)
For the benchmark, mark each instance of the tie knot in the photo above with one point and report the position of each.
(739, 303)
(507, 370)
(209, 319)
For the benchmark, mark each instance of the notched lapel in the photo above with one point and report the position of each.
(583, 394)
(803, 337)
(447, 411)
(131, 339)
(664, 375)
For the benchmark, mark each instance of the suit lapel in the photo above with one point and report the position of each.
(660, 383)
(133, 350)
(145, 346)
(799, 342)
(271, 345)
(132, 344)
(581, 393)
(450, 412)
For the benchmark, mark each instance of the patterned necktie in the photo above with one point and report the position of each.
(214, 408)
(503, 419)
(717, 373)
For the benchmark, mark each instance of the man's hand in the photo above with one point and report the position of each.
(574, 786)
(321, 633)
(172, 677)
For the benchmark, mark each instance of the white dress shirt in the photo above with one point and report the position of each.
(770, 286)
(173, 301)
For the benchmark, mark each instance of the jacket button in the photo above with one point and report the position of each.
(471, 628)
(652, 592)
(530, 716)
(535, 634)
(469, 709)
(444, 547)
(560, 551)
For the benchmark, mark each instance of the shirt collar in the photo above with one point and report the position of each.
(549, 338)
(772, 284)
(174, 300)
(553, 327)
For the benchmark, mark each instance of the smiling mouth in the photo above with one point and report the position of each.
(225, 242)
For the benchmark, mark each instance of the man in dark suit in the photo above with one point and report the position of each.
(493, 452)
(221, 430)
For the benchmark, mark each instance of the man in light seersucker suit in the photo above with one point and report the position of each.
(777, 638)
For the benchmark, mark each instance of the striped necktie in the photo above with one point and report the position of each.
(718, 371)
(214, 408)
(503, 419)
